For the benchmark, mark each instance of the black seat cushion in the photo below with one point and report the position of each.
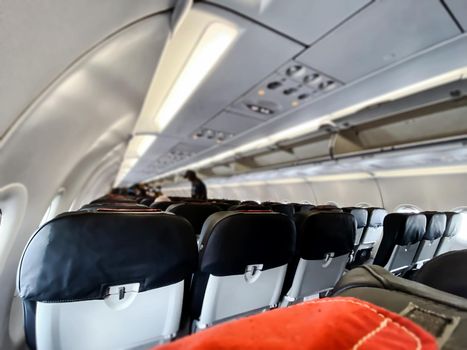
(435, 225)
(75, 256)
(446, 272)
(399, 229)
(112, 205)
(284, 208)
(230, 241)
(320, 233)
(299, 207)
(161, 205)
(195, 213)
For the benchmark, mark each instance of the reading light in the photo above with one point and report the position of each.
(214, 42)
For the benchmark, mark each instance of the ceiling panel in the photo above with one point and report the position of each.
(254, 54)
(231, 123)
(304, 20)
(383, 33)
(459, 9)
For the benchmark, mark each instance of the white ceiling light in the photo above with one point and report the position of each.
(214, 42)
(143, 142)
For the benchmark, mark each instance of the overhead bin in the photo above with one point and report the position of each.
(304, 20)
(426, 125)
(380, 35)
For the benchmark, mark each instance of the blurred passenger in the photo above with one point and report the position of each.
(198, 188)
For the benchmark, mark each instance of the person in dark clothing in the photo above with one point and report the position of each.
(198, 188)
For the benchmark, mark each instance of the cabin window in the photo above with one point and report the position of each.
(407, 208)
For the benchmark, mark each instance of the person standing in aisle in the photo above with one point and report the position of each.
(198, 188)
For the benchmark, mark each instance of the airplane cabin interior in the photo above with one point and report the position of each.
(233, 174)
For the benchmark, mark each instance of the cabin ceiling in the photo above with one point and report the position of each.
(347, 53)
(290, 68)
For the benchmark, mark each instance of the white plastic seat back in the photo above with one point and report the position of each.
(253, 291)
(243, 262)
(139, 320)
(402, 235)
(324, 243)
(306, 281)
(106, 280)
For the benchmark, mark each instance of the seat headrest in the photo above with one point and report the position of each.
(302, 207)
(376, 216)
(192, 208)
(78, 255)
(327, 207)
(161, 205)
(405, 228)
(255, 206)
(453, 223)
(114, 198)
(287, 209)
(360, 215)
(112, 205)
(435, 225)
(230, 241)
(320, 233)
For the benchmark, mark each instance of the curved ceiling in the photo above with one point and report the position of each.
(39, 40)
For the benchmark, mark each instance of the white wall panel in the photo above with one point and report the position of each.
(382, 34)
(431, 192)
(347, 192)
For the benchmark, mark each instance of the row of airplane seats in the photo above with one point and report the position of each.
(115, 254)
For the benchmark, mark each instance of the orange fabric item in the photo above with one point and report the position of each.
(330, 323)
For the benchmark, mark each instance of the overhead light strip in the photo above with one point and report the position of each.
(213, 44)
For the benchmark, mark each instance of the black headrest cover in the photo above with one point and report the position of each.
(405, 228)
(376, 216)
(195, 213)
(320, 233)
(112, 205)
(453, 223)
(233, 240)
(256, 206)
(299, 207)
(161, 205)
(77, 256)
(435, 225)
(287, 209)
(360, 215)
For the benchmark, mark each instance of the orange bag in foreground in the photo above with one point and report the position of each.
(331, 323)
